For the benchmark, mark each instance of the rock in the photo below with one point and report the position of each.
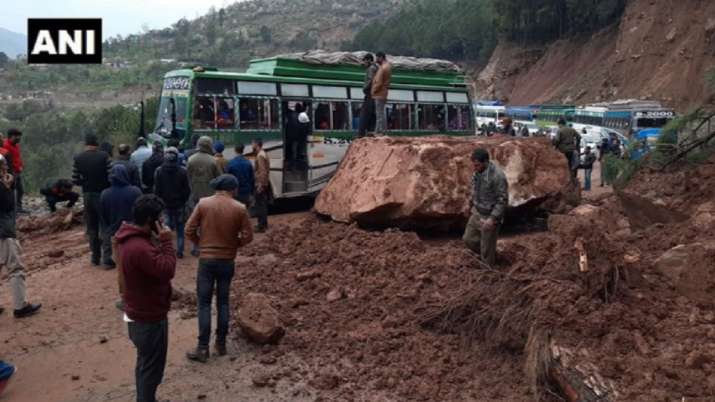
(325, 381)
(259, 320)
(426, 181)
(697, 359)
(671, 35)
(75, 378)
(304, 276)
(710, 25)
(334, 295)
(643, 212)
(690, 270)
(262, 380)
(56, 253)
(103, 339)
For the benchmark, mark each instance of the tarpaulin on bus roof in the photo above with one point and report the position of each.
(355, 58)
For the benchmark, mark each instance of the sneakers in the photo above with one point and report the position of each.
(27, 311)
(6, 373)
(220, 348)
(200, 354)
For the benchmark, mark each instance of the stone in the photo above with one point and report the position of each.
(56, 253)
(258, 320)
(335, 295)
(304, 276)
(690, 270)
(426, 182)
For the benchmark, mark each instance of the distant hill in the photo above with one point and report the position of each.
(12, 43)
(231, 36)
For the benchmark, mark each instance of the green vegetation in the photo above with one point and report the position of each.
(467, 30)
(52, 136)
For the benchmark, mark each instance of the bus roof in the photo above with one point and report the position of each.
(253, 76)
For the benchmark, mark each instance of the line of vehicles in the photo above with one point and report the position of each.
(629, 120)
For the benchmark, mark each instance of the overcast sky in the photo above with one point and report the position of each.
(118, 16)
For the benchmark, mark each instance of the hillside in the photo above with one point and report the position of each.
(231, 36)
(12, 43)
(659, 50)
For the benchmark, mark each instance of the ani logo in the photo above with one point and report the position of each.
(64, 41)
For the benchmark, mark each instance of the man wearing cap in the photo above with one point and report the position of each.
(221, 162)
(219, 225)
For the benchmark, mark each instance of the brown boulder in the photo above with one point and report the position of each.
(426, 181)
(258, 320)
(690, 270)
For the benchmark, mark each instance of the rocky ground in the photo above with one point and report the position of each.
(392, 316)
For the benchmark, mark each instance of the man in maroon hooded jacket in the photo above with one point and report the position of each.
(148, 262)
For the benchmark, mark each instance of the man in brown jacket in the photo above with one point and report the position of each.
(219, 225)
(380, 87)
(264, 191)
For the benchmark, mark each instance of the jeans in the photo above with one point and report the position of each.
(367, 116)
(212, 273)
(483, 242)
(587, 179)
(381, 120)
(152, 342)
(175, 221)
(94, 228)
(261, 208)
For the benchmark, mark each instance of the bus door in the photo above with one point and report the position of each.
(295, 146)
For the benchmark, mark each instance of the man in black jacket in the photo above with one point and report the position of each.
(91, 171)
(171, 184)
(124, 153)
(149, 167)
(10, 249)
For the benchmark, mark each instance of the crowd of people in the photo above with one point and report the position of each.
(135, 204)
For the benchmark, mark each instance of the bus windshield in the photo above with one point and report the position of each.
(652, 123)
(163, 117)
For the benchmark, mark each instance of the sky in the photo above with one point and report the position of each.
(118, 16)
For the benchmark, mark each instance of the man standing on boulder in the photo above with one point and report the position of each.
(380, 87)
(367, 112)
(567, 141)
(219, 225)
(489, 202)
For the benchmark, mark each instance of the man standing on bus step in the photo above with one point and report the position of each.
(489, 201)
(367, 112)
(567, 141)
(201, 169)
(12, 144)
(379, 90)
(91, 172)
(220, 225)
(264, 191)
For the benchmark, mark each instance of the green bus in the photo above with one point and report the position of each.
(239, 107)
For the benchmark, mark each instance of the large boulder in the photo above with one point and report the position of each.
(426, 181)
(258, 320)
(690, 269)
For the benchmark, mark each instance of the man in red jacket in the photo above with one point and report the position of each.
(148, 262)
(12, 144)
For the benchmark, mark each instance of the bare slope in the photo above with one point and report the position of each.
(661, 50)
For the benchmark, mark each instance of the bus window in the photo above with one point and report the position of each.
(163, 119)
(459, 117)
(431, 117)
(340, 115)
(398, 116)
(258, 114)
(225, 112)
(356, 108)
(321, 119)
(206, 86)
(204, 112)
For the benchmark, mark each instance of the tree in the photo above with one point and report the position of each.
(4, 60)
(266, 35)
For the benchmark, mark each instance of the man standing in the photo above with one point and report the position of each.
(367, 112)
(91, 169)
(567, 141)
(380, 87)
(124, 151)
(603, 151)
(141, 154)
(221, 162)
(60, 190)
(489, 202)
(220, 225)
(10, 250)
(150, 166)
(508, 127)
(201, 169)
(171, 184)
(264, 191)
(116, 204)
(147, 270)
(242, 170)
(589, 158)
(12, 144)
